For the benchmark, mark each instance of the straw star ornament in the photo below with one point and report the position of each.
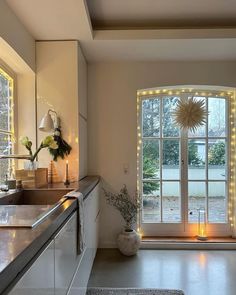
(190, 113)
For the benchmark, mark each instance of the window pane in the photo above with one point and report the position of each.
(5, 144)
(170, 129)
(216, 121)
(151, 202)
(171, 202)
(217, 203)
(5, 106)
(196, 199)
(201, 131)
(217, 159)
(196, 159)
(170, 167)
(151, 159)
(5, 148)
(151, 117)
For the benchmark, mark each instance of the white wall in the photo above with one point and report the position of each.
(17, 51)
(57, 88)
(112, 118)
(16, 35)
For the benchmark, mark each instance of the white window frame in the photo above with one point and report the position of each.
(6, 71)
(184, 228)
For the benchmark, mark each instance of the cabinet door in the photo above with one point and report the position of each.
(91, 224)
(66, 258)
(39, 279)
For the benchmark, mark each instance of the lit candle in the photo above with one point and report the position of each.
(202, 225)
(67, 182)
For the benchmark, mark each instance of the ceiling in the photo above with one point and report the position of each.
(162, 13)
(136, 30)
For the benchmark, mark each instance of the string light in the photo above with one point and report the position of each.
(142, 94)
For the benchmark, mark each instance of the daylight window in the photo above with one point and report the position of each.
(6, 121)
(179, 171)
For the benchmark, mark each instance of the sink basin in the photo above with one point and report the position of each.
(33, 197)
(28, 208)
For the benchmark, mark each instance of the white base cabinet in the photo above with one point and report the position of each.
(66, 258)
(39, 278)
(59, 270)
(91, 227)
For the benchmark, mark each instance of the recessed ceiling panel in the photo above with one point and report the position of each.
(122, 14)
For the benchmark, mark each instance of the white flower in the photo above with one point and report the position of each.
(49, 142)
(53, 145)
(24, 140)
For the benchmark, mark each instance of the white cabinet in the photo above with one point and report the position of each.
(59, 270)
(66, 257)
(39, 278)
(91, 227)
(83, 147)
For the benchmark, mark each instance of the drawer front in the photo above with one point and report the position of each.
(66, 258)
(39, 279)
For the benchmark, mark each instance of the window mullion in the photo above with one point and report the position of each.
(206, 162)
(160, 161)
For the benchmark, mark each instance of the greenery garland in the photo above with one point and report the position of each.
(63, 149)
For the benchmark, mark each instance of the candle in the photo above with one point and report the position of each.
(67, 168)
(67, 182)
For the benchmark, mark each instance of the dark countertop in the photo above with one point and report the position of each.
(18, 246)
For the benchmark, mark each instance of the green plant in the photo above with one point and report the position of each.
(63, 149)
(217, 154)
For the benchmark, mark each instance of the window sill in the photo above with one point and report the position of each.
(226, 243)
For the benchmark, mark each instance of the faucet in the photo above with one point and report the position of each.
(24, 157)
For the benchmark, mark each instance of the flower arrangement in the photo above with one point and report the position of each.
(47, 142)
(125, 204)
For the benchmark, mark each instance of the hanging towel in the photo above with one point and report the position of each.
(80, 219)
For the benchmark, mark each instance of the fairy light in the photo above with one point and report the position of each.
(232, 200)
(10, 138)
(139, 144)
(142, 94)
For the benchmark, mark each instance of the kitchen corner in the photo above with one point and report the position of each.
(21, 248)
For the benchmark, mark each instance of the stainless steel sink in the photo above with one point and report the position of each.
(28, 208)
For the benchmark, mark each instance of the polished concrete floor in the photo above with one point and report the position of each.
(194, 272)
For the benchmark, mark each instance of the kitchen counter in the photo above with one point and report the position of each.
(20, 246)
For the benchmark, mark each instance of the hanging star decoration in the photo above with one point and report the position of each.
(190, 113)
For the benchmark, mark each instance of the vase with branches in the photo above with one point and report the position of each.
(127, 206)
(129, 240)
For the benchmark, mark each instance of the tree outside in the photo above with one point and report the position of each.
(151, 128)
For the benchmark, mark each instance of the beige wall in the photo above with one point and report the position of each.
(17, 51)
(112, 118)
(15, 34)
(57, 88)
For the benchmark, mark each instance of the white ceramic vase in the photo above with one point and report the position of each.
(129, 242)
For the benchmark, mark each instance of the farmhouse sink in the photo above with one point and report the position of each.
(27, 208)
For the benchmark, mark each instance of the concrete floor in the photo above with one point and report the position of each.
(194, 272)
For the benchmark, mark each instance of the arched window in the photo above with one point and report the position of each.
(179, 171)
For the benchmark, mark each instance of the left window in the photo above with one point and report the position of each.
(7, 134)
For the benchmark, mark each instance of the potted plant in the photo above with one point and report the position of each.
(128, 240)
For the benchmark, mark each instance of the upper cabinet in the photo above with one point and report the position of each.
(62, 86)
